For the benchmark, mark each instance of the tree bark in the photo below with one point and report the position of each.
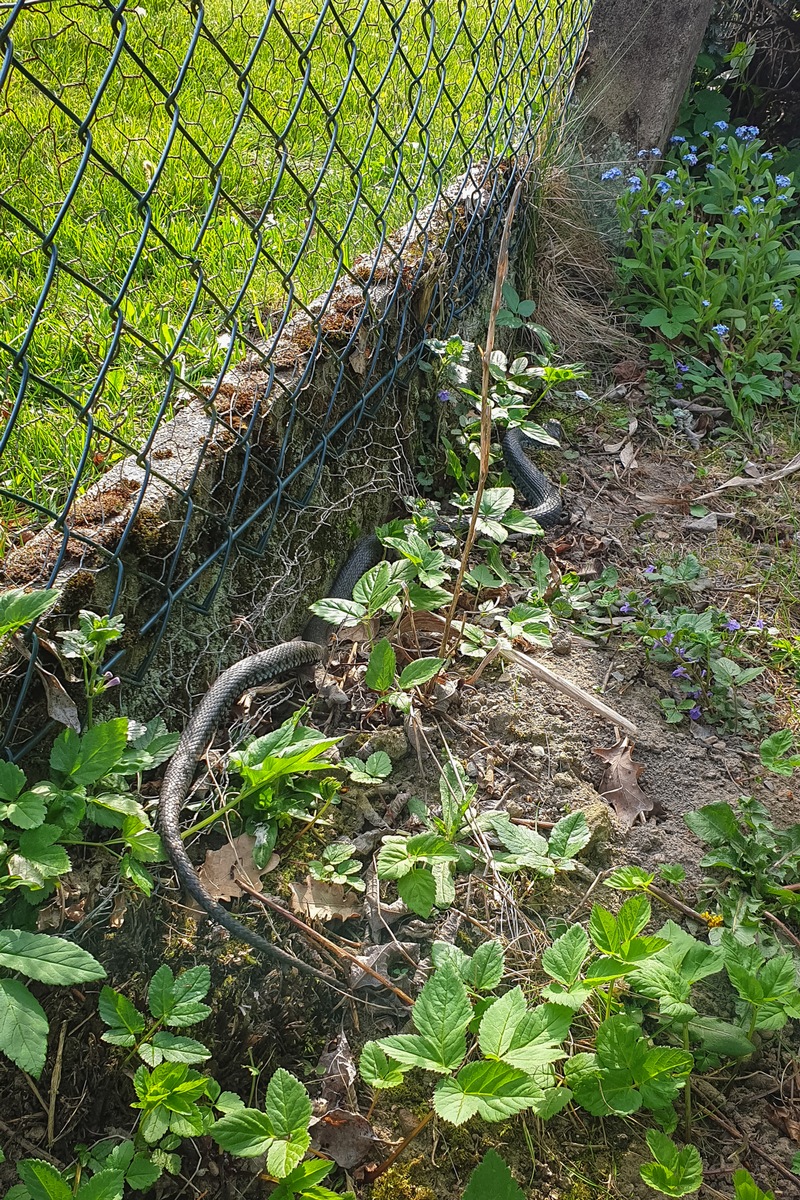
(638, 64)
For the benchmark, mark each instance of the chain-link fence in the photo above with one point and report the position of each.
(206, 208)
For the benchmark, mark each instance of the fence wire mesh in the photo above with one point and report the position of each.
(199, 205)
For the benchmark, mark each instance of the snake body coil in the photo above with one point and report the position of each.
(288, 658)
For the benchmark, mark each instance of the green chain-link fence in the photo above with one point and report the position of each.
(199, 204)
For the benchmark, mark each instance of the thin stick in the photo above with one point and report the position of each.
(538, 671)
(55, 1081)
(370, 1175)
(486, 411)
(31, 1147)
(783, 928)
(754, 1146)
(319, 937)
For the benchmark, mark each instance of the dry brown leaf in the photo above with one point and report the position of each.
(344, 1136)
(60, 706)
(317, 900)
(620, 786)
(627, 456)
(382, 959)
(221, 866)
(339, 1073)
(117, 917)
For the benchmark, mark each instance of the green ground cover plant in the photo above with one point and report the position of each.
(710, 265)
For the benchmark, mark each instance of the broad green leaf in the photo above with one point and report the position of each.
(495, 502)
(629, 879)
(632, 918)
(43, 1180)
(150, 749)
(492, 1179)
(377, 1070)
(584, 1079)
(339, 612)
(427, 599)
(378, 586)
(23, 1027)
(412, 1050)
(554, 1099)
(27, 811)
(110, 809)
(720, 1037)
(161, 992)
(603, 930)
(538, 1038)
(39, 859)
(188, 990)
(143, 843)
(176, 1048)
(675, 1172)
(12, 780)
(491, 1090)
(382, 667)
(715, 824)
(65, 753)
(287, 1104)
(142, 1173)
(565, 958)
(662, 1075)
(747, 1189)
(446, 952)
(444, 884)
(105, 1185)
(46, 958)
(417, 889)
(302, 1181)
(421, 671)
(499, 1023)
(442, 1013)
(130, 869)
(118, 1012)
(101, 749)
(398, 855)
(246, 1132)
(569, 835)
(18, 608)
(486, 967)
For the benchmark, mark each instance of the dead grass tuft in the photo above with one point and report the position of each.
(574, 277)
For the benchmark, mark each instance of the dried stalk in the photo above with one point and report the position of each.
(486, 411)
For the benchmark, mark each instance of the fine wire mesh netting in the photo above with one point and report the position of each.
(202, 203)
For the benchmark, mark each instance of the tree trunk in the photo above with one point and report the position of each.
(638, 65)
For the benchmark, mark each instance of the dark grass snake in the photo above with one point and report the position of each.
(289, 658)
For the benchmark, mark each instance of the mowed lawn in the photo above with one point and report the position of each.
(216, 161)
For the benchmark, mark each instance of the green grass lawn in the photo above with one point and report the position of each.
(276, 167)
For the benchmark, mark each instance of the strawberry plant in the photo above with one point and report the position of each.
(673, 1172)
(281, 1133)
(174, 1003)
(506, 1065)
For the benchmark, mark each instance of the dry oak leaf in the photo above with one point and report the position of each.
(620, 786)
(318, 900)
(218, 872)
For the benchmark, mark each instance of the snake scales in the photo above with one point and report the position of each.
(288, 658)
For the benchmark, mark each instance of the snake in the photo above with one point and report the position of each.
(290, 658)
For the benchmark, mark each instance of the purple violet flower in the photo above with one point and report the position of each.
(732, 625)
(695, 713)
(680, 673)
